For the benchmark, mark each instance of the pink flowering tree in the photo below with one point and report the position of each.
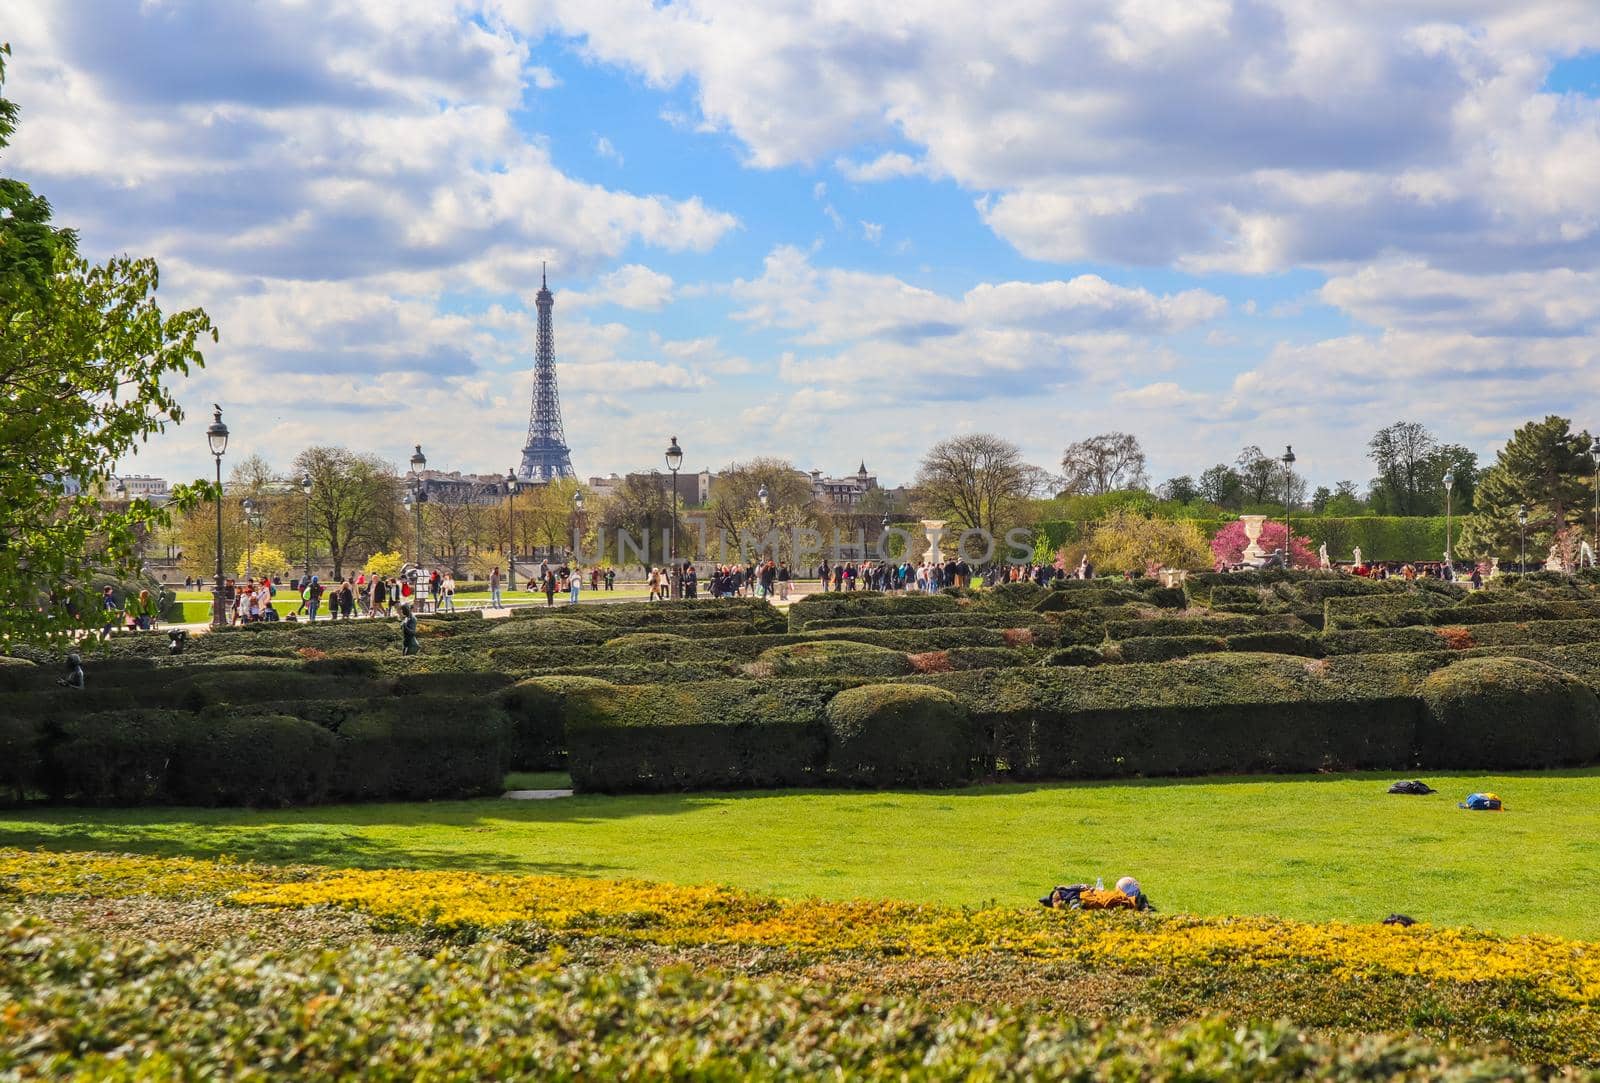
(1229, 543)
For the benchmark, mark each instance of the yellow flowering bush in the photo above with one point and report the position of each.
(473, 903)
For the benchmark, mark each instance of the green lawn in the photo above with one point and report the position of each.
(1310, 848)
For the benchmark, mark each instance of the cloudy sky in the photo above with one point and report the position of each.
(836, 231)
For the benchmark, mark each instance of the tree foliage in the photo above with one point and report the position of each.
(978, 481)
(735, 509)
(1544, 466)
(1127, 540)
(85, 356)
(1229, 543)
(1103, 463)
(1411, 466)
(354, 500)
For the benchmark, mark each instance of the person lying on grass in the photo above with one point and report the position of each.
(1126, 896)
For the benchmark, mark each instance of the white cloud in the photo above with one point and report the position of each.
(633, 286)
(871, 231)
(605, 149)
(884, 167)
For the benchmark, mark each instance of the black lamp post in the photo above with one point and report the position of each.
(1288, 490)
(1522, 531)
(674, 461)
(305, 487)
(1594, 453)
(1449, 484)
(249, 521)
(419, 463)
(217, 438)
(577, 528)
(511, 529)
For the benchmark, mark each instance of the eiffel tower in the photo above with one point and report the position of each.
(546, 456)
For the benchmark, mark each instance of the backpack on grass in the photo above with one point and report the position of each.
(1482, 802)
(1412, 786)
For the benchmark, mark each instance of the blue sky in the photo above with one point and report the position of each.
(834, 233)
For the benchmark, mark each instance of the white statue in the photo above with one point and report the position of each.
(1322, 555)
(1358, 556)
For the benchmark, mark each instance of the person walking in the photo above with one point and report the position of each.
(549, 585)
(494, 587)
(314, 598)
(574, 581)
(447, 592)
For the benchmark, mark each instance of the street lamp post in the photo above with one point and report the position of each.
(1594, 453)
(419, 462)
(305, 487)
(217, 438)
(249, 516)
(1288, 493)
(1522, 531)
(577, 529)
(674, 461)
(1449, 560)
(511, 529)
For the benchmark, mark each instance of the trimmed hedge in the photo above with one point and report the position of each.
(419, 748)
(833, 658)
(1501, 713)
(1214, 713)
(1380, 611)
(1213, 626)
(866, 603)
(538, 712)
(268, 760)
(899, 735)
(717, 734)
(1164, 648)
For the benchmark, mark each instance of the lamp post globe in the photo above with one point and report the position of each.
(217, 439)
(761, 495)
(577, 528)
(1288, 496)
(419, 462)
(249, 507)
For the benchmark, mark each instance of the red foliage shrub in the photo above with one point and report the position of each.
(1457, 638)
(1018, 637)
(930, 661)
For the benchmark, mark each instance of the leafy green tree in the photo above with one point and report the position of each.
(353, 504)
(1544, 466)
(735, 508)
(1181, 490)
(1221, 485)
(85, 356)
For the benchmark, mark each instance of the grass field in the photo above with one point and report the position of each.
(1309, 848)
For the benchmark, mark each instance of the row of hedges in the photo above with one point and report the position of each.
(381, 750)
(1218, 713)
(1380, 537)
(765, 734)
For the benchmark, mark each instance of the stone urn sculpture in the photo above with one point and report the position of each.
(1253, 554)
(934, 528)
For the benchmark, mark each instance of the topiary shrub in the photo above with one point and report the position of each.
(112, 757)
(20, 756)
(260, 760)
(419, 748)
(538, 711)
(833, 658)
(653, 646)
(900, 735)
(1166, 648)
(715, 734)
(1500, 713)
(557, 631)
(1081, 655)
(1307, 646)
(17, 674)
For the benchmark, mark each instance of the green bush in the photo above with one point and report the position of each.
(865, 603)
(1301, 643)
(20, 754)
(900, 735)
(112, 757)
(717, 734)
(560, 631)
(1212, 626)
(17, 674)
(1074, 656)
(654, 647)
(1165, 648)
(259, 760)
(1207, 714)
(420, 748)
(1380, 611)
(538, 711)
(831, 658)
(1501, 713)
